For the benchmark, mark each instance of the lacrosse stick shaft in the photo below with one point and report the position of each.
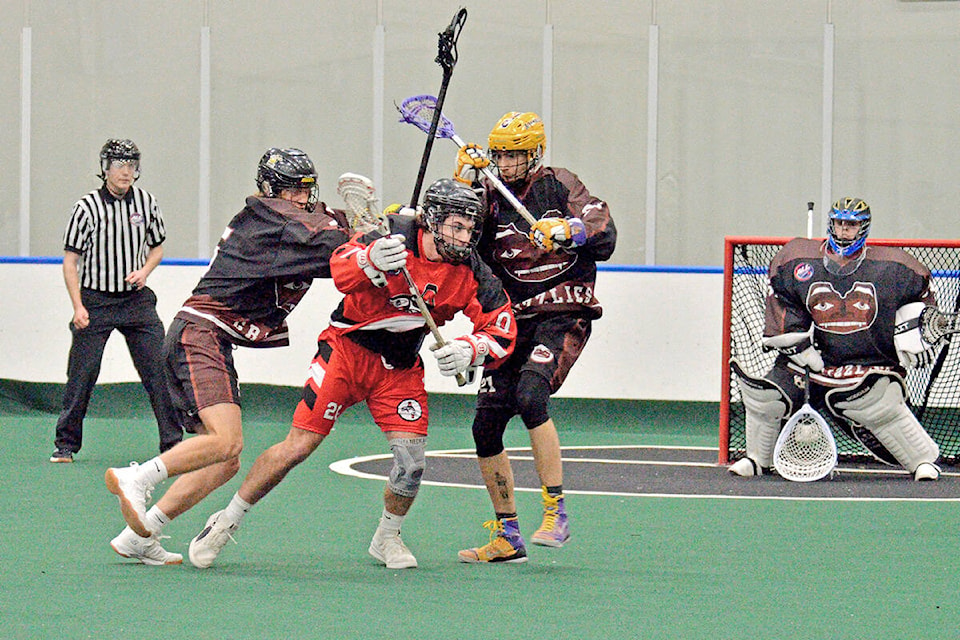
(809, 220)
(447, 59)
(425, 312)
(502, 188)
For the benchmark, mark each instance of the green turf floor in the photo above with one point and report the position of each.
(635, 567)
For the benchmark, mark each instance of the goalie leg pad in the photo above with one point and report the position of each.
(409, 461)
(877, 404)
(766, 405)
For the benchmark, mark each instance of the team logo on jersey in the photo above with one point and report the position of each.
(410, 410)
(136, 217)
(849, 312)
(803, 272)
(528, 264)
(541, 354)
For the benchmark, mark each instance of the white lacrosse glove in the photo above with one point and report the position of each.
(470, 160)
(458, 355)
(384, 254)
(565, 233)
(910, 360)
(798, 346)
(388, 254)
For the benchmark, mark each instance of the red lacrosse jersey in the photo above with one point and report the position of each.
(387, 320)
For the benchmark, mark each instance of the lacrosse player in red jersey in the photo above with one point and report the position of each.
(370, 352)
(549, 269)
(264, 264)
(832, 308)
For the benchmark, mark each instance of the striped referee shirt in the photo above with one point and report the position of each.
(113, 236)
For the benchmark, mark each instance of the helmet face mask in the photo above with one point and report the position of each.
(289, 170)
(848, 210)
(517, 132)
(449, 208)
(123, 151)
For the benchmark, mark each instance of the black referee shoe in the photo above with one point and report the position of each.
(61, 455)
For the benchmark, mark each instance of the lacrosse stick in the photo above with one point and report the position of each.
(809, 219)
(423, 111)
(933, 325)
(805, 450)
(364, 216)
(447, 59)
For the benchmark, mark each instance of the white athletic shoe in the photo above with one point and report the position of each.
(146, 550)
(208, 544)
(133, 495)
(745, 467)
(390, 550)
(926, 471)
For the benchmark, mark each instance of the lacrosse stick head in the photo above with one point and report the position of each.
(363, 205)
(805, 450)
(419, 111)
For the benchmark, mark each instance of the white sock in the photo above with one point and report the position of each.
(237, 508)
(155, 520)
(153, 471)
(390, 522)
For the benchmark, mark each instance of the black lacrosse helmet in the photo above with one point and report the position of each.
(119, 149)
(281, 169)
(447, 197)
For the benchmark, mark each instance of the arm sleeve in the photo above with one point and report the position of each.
(305, 250)
(76, 237)
(784, 313)
(595, 214)
(156, 231)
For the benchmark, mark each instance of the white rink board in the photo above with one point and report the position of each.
(659, 337)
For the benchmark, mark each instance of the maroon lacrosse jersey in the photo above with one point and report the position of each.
(387, 320)
(264, 264)
(541, 281)
(853, 315)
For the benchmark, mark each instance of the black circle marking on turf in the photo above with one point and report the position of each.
(655, 471)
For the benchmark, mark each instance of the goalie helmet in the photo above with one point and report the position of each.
(281, 169)
(517, 131)
(849, 210)
(442, 199)
(119, 149)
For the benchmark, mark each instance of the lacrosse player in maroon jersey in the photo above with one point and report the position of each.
(370, 352)
(832, 307)
(549, 271)
(265, 261)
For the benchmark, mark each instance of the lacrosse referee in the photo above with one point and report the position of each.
(112, 243)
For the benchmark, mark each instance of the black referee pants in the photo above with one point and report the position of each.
(134, 315)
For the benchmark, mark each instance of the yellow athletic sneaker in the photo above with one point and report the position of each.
(506, 544)
(555, 530)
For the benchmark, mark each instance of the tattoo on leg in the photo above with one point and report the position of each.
(502, 487)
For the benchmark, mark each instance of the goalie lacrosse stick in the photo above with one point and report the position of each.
(423, 111)
(447, 59)
(365, 216)
(805, 450)
(934, 324)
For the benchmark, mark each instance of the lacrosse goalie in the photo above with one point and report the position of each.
(848, 314)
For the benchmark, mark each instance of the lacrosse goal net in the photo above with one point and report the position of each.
(934, 390)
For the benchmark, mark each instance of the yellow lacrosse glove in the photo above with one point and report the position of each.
(470, 160)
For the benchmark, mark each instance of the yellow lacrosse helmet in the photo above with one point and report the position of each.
(517, 131)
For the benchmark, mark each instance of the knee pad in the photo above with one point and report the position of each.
(877, 404)
(533, 393)
(409, 461)
(766, 406)
(488, 428)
